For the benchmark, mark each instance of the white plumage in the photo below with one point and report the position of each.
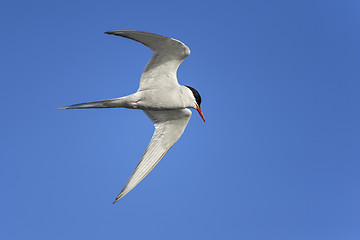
(160, 96)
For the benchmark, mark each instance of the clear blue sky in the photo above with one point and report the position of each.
(278, 157)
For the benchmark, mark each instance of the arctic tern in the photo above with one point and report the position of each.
(161, 98)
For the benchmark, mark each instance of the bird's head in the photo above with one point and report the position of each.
(197, 101)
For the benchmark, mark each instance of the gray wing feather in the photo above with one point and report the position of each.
(168, 54)
(169, 126)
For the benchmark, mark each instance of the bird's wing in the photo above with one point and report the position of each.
(168, 54)
(169, 126)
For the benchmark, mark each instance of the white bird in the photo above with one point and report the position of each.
(160, 96)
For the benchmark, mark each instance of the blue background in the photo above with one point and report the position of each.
(278, 157)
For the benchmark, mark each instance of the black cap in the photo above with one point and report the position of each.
(196, 95)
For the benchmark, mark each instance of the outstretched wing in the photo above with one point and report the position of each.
(168, 54)
(169, 126)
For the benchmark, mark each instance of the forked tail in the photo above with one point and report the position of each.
(111, 103)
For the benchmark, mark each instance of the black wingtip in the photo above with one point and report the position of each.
(112, 32)
(115, 33)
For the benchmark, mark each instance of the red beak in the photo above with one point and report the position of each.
(200, 112)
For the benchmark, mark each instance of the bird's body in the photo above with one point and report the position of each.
(160, 96)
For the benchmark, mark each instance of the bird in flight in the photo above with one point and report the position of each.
(159, 96)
